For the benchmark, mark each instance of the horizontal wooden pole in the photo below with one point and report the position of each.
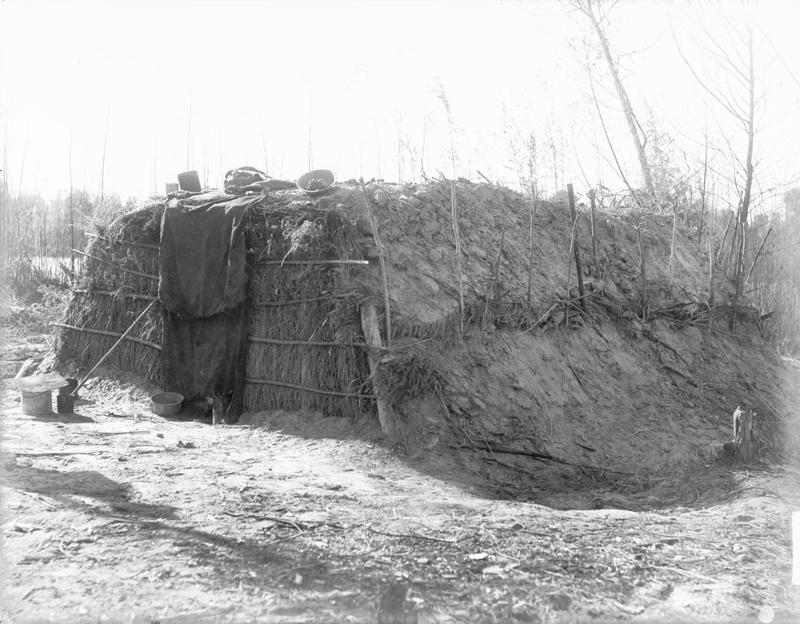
(307, 262)
(114, 266)
(283, 384)
(286, 302)
(111, 334)
(124, 242)
(306, 343)
(109, 293)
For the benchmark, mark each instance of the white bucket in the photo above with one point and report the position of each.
(37, 403)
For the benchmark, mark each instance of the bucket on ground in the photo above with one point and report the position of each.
(65, 404)
(37, 403)
(166, 403)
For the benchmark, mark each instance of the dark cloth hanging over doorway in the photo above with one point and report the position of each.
(206, 357)
(203, 282)
(202, 269)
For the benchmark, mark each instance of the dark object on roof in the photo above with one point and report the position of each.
(269, 185)
(317, 181)
(237, 179)
(189, 181)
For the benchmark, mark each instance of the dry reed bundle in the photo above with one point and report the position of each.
(446, 330)
(409, 374)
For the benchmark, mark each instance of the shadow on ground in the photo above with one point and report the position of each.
(83, 490)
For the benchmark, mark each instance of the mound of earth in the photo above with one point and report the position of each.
(642, 381)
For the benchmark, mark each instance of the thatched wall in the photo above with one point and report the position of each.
(304, 317)
(306, 349)
(108, 299)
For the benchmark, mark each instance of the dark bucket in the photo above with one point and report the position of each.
(65, 403)
(189, 181)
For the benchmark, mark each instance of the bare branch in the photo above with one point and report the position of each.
(721, 102)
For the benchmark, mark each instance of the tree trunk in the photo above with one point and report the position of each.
(630, 117)
(748, 183)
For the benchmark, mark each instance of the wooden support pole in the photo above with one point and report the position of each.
(593, 202)
(382, 260)
(372, 336)
(496, 271)
(576, 247)
(644, 274)
(711, 263)
(530, 242)
(457, 239)
(672, 246)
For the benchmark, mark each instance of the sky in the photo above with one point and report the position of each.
(163, 87)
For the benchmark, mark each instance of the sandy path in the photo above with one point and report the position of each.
(116, 515)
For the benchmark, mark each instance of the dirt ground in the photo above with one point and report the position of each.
(114, 514)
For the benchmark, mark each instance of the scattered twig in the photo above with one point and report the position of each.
(414, 536)
(295, 525)
(542, 457)
(57, 453)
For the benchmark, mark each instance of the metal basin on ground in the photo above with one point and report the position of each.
(166, 403)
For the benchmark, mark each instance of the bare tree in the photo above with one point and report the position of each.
(597, 11)
(738, 98)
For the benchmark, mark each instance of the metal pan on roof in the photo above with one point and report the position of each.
(316, 181)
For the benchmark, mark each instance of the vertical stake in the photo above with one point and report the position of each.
(576, 247)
